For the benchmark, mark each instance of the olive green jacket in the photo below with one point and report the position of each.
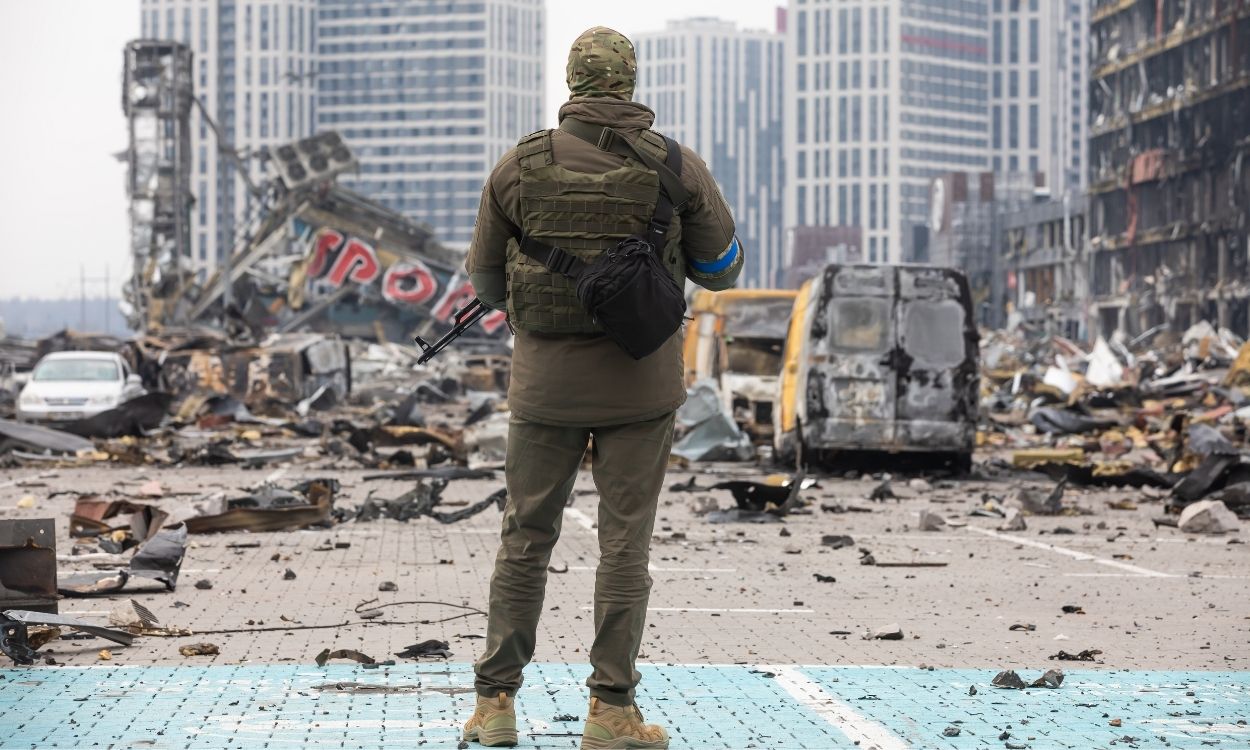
(585, 379)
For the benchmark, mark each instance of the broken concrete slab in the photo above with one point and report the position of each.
(891, 632)
(930, 521)
(1013, 521)
(1208, 517)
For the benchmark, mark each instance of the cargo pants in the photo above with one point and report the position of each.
(629, 463)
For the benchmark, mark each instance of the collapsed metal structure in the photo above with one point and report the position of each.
(315, 256)
(1169, 183)
(156, 97)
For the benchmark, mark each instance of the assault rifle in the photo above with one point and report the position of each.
(465, 318)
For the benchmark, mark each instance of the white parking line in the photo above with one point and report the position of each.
(717, 609)
(1074, 554)
(581, 518)
(654, 569)
(864, 732)
(1203, 577)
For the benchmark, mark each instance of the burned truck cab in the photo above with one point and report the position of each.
(736, 339)
(880, 359)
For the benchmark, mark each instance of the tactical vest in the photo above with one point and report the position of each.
(585, 215)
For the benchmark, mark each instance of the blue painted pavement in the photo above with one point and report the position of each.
(422, 705)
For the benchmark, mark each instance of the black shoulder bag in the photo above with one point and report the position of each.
(627, 290)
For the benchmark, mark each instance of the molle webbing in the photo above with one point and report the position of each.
(585, 215)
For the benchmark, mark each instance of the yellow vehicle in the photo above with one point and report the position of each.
(735, 340)
(880, 359)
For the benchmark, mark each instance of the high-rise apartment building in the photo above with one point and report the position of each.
(718, 90)
(884, 95)
(1038, 91)
(429, 95)
(253, 65)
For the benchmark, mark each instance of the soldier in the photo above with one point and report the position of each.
(571, 383)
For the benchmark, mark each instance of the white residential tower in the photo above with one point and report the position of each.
(718, 90)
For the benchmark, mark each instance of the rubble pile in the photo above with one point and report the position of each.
(316, 399)
(1159, 411)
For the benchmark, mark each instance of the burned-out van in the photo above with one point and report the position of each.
(881, 359)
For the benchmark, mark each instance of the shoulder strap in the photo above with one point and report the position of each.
(657, 231)
(610, 140)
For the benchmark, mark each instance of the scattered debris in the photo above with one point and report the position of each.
(1089, 654)
(1008, 679)
(930, 521)
(835, 541)
(1208, 517)
(271, 509)
(1052, 679)
(1013, 521)
(19, 436)
(431, 649)
(133, 616)
(891, 632)
(356, 656)
(421, 501)
(706, 432)
(882, 492)
(199, 649)
(28, 564)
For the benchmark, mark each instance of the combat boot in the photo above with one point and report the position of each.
(493, 722)
(611, 727)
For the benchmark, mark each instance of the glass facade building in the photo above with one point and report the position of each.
(1038, 80)
(253, 65)
(885, 95)
(718, 90)
(429, 95)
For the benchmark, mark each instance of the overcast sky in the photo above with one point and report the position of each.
(62, 192)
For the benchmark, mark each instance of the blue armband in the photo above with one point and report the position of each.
(722, 263)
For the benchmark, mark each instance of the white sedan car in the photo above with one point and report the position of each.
(75, 385)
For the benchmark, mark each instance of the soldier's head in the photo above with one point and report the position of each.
(601, 63)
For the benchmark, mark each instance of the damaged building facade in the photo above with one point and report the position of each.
(1045, 263)
(1169, 182)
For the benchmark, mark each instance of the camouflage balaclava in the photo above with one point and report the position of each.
(601, 63)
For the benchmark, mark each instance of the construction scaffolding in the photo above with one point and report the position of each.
(1169, 183)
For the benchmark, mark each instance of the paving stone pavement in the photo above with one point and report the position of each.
(290, 706)
(1165, 609)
